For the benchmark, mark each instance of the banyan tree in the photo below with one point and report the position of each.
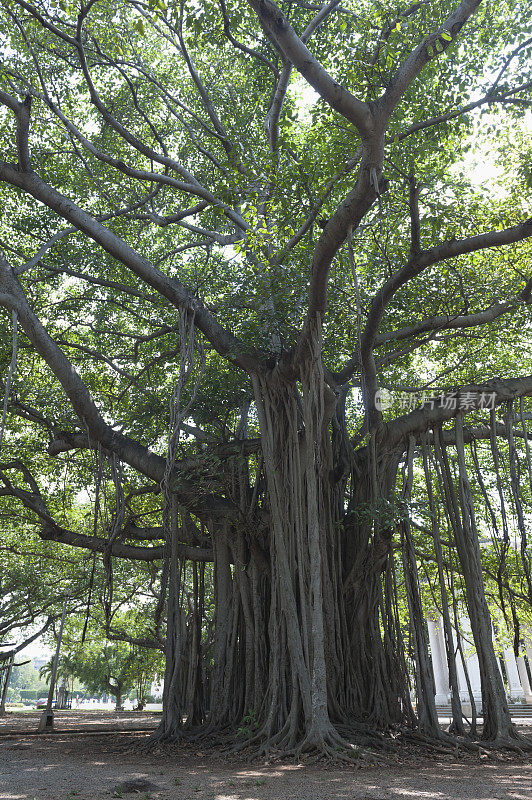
(265, 278)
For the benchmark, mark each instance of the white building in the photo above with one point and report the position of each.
(515, 673)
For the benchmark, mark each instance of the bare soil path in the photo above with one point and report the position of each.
(68, 766)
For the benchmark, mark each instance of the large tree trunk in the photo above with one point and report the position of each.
(297, 462)
(327, 602)
(379, 688)
(193, 694)
(308, 651)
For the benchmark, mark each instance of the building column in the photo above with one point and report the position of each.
(525, 683)
(515, 690)
(498, 658)
(528, 651)
(462, 683)
(439, 660)
(460, 672)
(473, 668)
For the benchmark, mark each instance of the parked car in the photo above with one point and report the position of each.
(42, 702)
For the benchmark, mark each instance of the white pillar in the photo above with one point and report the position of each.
(498, 657)
(473, 667)
(515, 690)
(439, 660)
(462, 683)
(528, 650)
(525, 683)
(460, 674)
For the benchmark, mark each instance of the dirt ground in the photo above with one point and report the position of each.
(88, 766)
(19, 722)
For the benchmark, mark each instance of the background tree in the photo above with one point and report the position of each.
(105, 670)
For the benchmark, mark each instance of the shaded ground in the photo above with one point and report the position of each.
(64, 766)
(28, 721)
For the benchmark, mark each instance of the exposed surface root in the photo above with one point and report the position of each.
(516, 744)
(157, 738)
(348, 746)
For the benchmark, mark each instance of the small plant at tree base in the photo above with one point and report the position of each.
(249, 725)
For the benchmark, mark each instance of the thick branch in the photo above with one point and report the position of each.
(17, 649)
(120, 550)
(50, 530)
(415, 265)
(295, 51)
(474, 397)
(223, 341)
(240, 46)
(271, 123)
(127, 449)
(449, 322)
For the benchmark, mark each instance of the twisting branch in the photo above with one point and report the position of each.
(34, 501)
(240, 46)
(415, 265)
(489, 98)
(127, 449)
(450, 322)
(41, 252)
(433, 414)
(271, 123)
(225, 342)
(17, 649)
(22, 113)
(295, 51)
